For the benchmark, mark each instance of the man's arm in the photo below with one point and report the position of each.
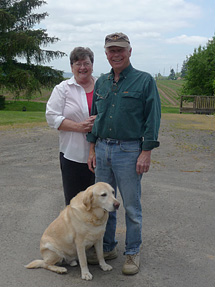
(151, 128)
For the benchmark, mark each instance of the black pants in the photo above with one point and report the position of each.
(76, 177)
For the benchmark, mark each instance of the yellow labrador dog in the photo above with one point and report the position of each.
(78, 227)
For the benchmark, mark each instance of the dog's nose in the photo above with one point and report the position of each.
(116, 205)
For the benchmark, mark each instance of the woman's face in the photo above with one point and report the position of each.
(82, 70)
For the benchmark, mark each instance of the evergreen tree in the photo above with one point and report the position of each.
(172, 75)
(18, 40)
(184, 69)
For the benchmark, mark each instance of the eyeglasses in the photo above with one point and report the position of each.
(85, 64)
(114, 87)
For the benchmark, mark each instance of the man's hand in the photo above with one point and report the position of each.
(143, 162)
(92, 158)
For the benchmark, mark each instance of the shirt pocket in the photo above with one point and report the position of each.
(101, 102)
(131, 100)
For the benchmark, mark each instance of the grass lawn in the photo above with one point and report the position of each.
(27, 105)
(16, 119)
(171, 110)
(191, 121)
(13, 115)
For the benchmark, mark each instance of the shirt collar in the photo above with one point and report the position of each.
(123, 74)
(72, 81)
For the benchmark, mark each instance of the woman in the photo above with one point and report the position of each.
(68, 110)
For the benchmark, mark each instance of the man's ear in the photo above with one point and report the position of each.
(130, 50)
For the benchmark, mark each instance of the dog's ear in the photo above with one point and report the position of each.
(88, 198)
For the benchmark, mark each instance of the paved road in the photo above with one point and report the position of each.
(178, 212)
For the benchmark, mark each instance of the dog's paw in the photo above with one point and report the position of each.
(106, 267)
(87, 276)
(61, 270)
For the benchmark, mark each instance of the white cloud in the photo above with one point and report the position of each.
(114, 15)
(150, 24)
(188, 40)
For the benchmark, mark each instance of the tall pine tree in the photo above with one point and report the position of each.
(20, 42)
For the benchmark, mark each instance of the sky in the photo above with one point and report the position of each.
(162, 32)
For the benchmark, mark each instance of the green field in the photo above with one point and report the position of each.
(22, 112)
(170, 92)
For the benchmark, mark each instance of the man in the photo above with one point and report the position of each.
(127, 105)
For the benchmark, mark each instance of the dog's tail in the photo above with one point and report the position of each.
(36, 264)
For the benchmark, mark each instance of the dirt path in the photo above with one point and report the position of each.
(178, 200)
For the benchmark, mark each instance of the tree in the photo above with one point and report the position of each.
(18, 40)
(172, 75)
(184, 69)
(200, 71)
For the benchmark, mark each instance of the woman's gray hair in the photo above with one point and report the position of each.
(80, 53)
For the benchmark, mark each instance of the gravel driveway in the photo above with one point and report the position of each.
(178, 211)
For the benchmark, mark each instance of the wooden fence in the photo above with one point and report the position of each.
(197, 104)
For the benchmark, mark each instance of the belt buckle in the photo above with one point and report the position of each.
(113, 141)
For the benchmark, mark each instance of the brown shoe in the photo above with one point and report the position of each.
(132, 264)
(93, 260)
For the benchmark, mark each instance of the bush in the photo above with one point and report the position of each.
(2, 102)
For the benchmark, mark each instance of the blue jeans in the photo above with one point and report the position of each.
(116, 165)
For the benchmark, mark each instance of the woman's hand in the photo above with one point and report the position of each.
(87, 125)
(82, 127)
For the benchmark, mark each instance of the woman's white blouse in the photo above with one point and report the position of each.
(68, 100)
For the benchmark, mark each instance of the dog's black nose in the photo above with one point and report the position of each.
(116, 205)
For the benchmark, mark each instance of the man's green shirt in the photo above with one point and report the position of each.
(127, 110)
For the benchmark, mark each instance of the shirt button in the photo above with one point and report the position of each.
(113, 105)
(110, 129)
(110, 117)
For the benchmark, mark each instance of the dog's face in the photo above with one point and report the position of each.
(101, 195)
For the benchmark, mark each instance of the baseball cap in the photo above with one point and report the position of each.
(116, 39)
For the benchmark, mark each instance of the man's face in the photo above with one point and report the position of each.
(118, 57)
